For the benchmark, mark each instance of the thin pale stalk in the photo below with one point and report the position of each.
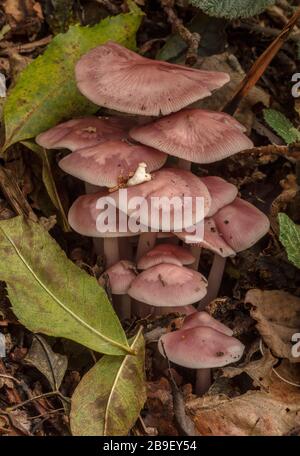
(214, 281)
(203, 381)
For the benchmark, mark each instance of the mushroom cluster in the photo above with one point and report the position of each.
(130, 151)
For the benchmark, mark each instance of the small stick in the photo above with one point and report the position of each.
(191, 39)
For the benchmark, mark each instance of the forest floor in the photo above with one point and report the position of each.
(258, 397)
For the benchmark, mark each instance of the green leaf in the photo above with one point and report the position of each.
(52, 365)
(290, 238)
(282, 126)
(49, 181)
(46, 92)
(110, 396)
(232, 9)
(50, 295)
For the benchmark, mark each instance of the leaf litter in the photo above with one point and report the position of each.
(259, 299)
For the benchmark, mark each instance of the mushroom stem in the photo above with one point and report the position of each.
(98, 246)
(111, 251)
(214, 281)
(146, 242)
(184, 164)
(196, 252)
(122, 305)
(97, 242)
(203, 381)
(125, 247)
(90, 188)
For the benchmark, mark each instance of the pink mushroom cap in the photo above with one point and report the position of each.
(121, 276)
(168, 183)
(200, 348)
(202, 318)
(195, 135)
(166, 253)
(222, 192)
(241, 224)
(77, 134)
(108, 163)
(84, 213)
(212, 239)
(117, 78)
(167, 285)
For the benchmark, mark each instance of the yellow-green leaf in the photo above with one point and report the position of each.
(110, 396)
(46, 92)
(50, 295)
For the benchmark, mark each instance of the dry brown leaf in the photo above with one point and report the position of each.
(259, 413)
(259, 370)
(277, 314)
(229, 63)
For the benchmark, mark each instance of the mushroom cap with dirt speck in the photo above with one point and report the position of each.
(83, 216)
(167, 285)
(166, 253)
(241, 224)
(112, 162)
(155, 211)
(195, 135)
(212, 239)
(117, 78)
(121, 276)
(200, 348)
(222, 192)
(204, 319)
(85, 132)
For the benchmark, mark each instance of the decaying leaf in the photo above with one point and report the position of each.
(52, 365)
(50, 295)
(260, 370)
(228, 63)
(49, 181)
(277, 314)
(110, 396)
(46, 92)
(256, 413)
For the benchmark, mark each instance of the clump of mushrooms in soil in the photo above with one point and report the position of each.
(110, 153)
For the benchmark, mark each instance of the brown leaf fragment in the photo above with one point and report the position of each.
(259, 370)
(52, 365)
(277, 314)
(256, 413)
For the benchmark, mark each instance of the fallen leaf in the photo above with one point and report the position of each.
(110, 396)
(48, 179)
(50, 295)
(256, 413)
(258, 370)
(46, 91)
(277, 314)
(229, 64)
(52, 365)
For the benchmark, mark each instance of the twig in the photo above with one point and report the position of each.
(36, 398)
(290, 152)
(268, 31)
(24, 48)
(10, 377)
(111, 8)
(185, 423)
(191, 39)
(260, 65)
